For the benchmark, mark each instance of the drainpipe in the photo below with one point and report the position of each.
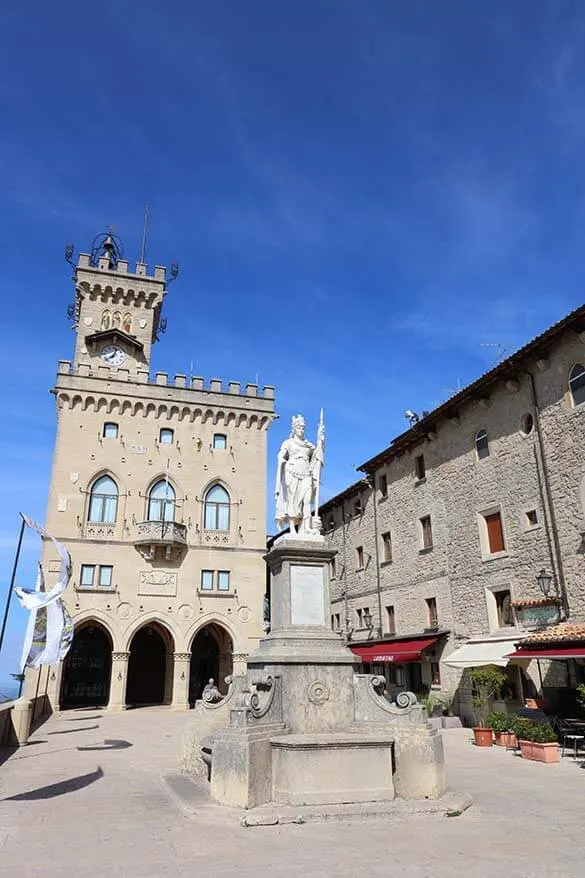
(547, 502)
(371, 482)
(345, 574)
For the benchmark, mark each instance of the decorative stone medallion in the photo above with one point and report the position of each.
(124, 611)
(142, 322)
(244, 614)
(318, 693)
(88, 321)
(185, 612)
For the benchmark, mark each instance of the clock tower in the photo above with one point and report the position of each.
(117, 313)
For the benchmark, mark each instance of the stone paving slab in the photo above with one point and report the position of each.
(73, 806)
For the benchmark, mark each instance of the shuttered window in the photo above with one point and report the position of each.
(495, 533)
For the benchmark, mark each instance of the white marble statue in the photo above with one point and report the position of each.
(298, 476)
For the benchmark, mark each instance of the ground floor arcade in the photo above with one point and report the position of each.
(150, 672)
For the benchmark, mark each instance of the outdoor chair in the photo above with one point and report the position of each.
(571, 737)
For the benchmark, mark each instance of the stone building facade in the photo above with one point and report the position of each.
(158, 492)
(441, 542)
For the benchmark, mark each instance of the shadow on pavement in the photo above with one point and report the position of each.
(80, 729)
(78, 719)
(58, 789)
(108, 745)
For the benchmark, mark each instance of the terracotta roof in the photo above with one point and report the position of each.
(536, 602)
(563, 633)
(478, 389)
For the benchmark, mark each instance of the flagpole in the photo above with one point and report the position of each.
(12, 579)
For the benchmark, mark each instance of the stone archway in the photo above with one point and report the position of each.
(211, 656)
(149, 666)
(87, 668)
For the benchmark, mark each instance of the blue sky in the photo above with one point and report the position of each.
(371, 196)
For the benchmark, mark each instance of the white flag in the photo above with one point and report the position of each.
(50, 629)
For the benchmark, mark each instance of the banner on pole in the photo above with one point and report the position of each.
(50, 628)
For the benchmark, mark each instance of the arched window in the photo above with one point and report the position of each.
(161, 502)
(116, 320)
(482, 447)
(577, 384)
(217, 509)
(106, 319)
(127, 323)
(103, 500)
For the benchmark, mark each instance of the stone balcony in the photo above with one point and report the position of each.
(170, 536)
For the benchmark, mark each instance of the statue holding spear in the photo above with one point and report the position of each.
(298, 477)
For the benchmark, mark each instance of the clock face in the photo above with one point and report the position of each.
(113, 355)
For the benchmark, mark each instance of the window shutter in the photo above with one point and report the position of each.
(495, 532)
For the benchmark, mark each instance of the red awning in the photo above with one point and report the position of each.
(553, 652)
(398, 651)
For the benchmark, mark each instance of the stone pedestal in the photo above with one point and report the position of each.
(309, 730)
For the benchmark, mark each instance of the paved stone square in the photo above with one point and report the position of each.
(85, 797)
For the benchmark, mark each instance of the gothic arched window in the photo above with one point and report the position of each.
(103, 500)
(106, 319)
(217, 509)
(161, 502)
(482, 446)
(577, 384)
(127, 324)
(116, 320)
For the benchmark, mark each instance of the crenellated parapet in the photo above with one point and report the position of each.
(194, 400)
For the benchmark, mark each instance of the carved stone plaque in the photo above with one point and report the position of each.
(157, 582)
(307, 595)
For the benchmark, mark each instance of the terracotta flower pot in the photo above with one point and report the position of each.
(483, 737)
(506, 739)
(540, 752)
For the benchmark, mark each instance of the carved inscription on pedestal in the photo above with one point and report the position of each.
(307, 595)
(157, 582)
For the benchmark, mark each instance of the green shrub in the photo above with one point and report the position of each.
(541, 733)
(520, 726)
(499, 721)
(487, 681)
(580, 692)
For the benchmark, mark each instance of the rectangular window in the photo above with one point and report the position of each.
(435, 674)
(337, 621)
(427, 532)
(504, 609)
(419, 466)
(87, 575)
(359, 618)
(390, 620)
(166, 436)
(387, 547)
(223, 580)
(333, 568)
(110, 430)
(207, 580)
(432, 616)
(532, 518)
(495, 533)
(220, 441)
(105, 578)
(383, 485)
(357, 507)
(360, 557)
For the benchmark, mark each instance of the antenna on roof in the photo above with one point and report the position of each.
(144, 233)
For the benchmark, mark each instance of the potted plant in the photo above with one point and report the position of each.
(449, 720)
(487, 682)
(539, 743)
(503, 727)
